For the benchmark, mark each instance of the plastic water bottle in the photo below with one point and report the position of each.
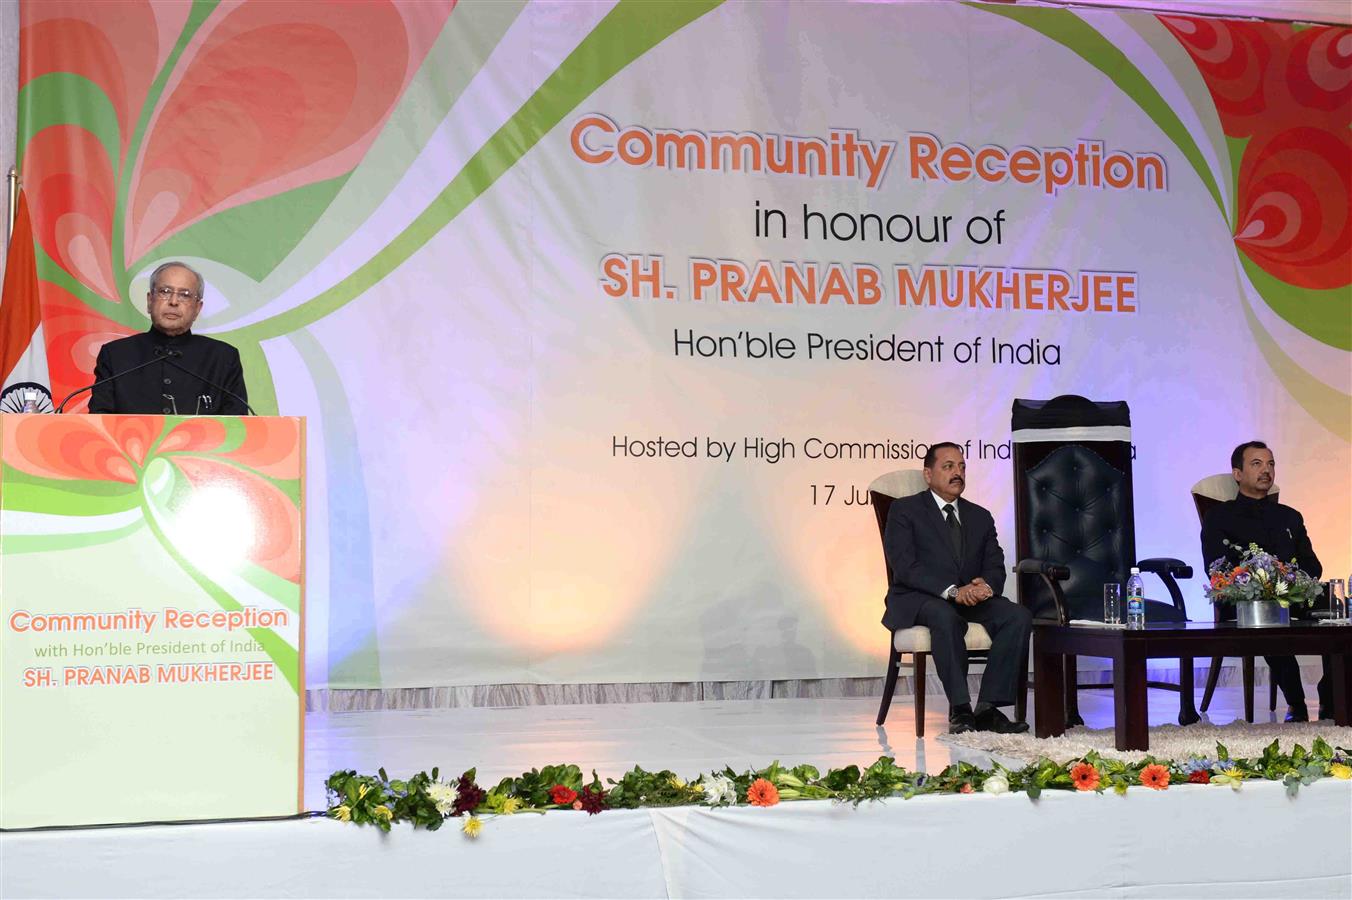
(1135, 600)
(30, 402)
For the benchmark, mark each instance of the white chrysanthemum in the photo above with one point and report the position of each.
(718, 790)
(443, 795)
(996, 784)
(1281, 588)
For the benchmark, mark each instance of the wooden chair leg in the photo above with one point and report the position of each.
(919, 666)
(1072, 692)
(1187, 713)
(889, 684)
(1248, 689)
(1021, 695)
(1212, 676)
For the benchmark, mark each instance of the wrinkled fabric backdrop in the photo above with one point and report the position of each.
(504, 257)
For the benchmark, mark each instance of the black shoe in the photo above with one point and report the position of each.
(1297, 713)
(1326, 712)
(960, 719)
(994, 720)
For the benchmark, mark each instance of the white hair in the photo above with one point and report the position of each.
(175, 264)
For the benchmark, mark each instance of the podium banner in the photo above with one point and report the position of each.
(152, 607)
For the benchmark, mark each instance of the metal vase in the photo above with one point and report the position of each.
(1261, 614)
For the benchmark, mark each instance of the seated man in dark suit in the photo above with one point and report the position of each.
(168, 369)
(948, 570)
(1228, 530)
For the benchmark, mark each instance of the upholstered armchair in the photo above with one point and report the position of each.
(915, 642)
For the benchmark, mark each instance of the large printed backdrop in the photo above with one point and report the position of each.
(604, 315)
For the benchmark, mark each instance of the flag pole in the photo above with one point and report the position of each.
(12, 181)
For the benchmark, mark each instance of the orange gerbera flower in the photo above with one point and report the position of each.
(1085, 776)
(762, 793)
(1155, 776)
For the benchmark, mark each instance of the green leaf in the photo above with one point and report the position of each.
(806, 773)
(838, 779)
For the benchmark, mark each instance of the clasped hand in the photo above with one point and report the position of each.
(974, 593)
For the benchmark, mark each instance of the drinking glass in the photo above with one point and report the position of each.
(1337, 599)
(1112, 603)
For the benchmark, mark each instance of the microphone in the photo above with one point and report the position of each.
(171, 354)
(160, 354)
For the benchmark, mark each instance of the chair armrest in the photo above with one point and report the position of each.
(1168, 569)
(1044, 567)
(1052, 573)
(1161, 565)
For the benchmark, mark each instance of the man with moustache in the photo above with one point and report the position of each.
(948, 570)
(187, 371)
(1228, 530)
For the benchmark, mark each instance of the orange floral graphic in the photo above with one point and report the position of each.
(1289, 94)
(260, 99)
(119, 448)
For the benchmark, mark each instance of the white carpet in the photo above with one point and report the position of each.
(1171, 742)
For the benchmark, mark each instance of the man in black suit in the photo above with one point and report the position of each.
(1251, 518)
(948, 570)
(181, 373)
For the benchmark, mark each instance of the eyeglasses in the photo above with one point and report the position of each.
(164, 292)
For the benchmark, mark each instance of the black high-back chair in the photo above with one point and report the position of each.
(1075, 524)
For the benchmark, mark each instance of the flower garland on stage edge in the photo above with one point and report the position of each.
(427, 802)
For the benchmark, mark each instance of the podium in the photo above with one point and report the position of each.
(151, 618)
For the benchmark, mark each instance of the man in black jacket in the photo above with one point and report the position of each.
(1230, 527)
(186, 371)
(948, 570)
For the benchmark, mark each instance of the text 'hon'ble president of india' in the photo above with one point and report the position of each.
(187, 371)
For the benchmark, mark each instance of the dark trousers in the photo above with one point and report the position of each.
(1009, 626)
(1285, 672)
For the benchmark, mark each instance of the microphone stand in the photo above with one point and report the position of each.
(159, 357)
(169, 356)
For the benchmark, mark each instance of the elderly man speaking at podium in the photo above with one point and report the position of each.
(168, 369)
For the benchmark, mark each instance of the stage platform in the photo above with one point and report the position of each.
(1202, 841)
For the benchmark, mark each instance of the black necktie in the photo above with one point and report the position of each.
(954, 528)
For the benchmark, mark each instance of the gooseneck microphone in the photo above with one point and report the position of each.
(160, 356)
(171, 354)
